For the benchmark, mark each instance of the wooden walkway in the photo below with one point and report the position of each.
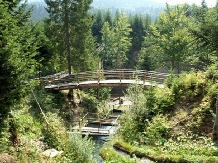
(107, 78)
(94, 131)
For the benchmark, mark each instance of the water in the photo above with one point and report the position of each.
(99, 141)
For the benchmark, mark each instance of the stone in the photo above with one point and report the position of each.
(51, 153)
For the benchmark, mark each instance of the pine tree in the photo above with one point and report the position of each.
(97, 26)
(17, 52)
(116, 42)
(69, 29)
(173, 40)
(108, 17)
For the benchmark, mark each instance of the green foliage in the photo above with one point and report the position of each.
(157, 130)
(4, 135)
(100, 93)
(89, 102)
(212, 72)
(116, 43)
(146, 105)
(54, 132)
(79, 149)
(213, 91)
(111, 156)
(201, 150)
(17, 49)
(136, 118)
(172, 38)
(70, 34)
(147, 59)
(189, 85)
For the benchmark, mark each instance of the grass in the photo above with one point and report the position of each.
(173, 151)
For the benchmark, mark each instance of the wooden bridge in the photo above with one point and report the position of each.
(103, 78)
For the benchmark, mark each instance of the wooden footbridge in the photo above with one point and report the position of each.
(103, 78)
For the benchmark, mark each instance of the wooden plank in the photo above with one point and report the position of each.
(93, 131)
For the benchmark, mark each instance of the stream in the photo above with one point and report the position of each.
(100, 140)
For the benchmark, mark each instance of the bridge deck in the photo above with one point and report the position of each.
(93, 131)
(96, 84)
(109, 78)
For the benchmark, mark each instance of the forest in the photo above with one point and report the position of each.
(177, 123)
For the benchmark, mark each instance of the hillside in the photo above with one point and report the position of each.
(174, 124)
(141, 7)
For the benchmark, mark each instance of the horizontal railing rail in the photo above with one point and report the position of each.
(101, 75)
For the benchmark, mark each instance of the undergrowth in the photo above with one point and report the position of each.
(173, 124)
(28, 131)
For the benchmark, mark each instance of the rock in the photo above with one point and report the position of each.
(6, 158)
(51, 152)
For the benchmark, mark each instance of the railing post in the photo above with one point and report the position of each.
(144, 78)
(120, 73)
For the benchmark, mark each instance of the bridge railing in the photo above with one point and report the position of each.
(117, 74)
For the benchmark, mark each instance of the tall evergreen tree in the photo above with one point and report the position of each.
(206, 34)
(106, 54)
(108, 17)
(116, 42)
(17, 52)
(97, 26)
(172, 37)
(69, 28)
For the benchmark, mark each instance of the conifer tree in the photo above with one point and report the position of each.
(69, 29)
(116, 42)
(97, 26)
(17, 52)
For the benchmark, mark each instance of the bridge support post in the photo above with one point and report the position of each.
(144, 78)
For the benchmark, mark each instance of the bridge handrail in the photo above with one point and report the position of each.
(116, 74)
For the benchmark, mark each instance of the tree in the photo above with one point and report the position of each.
(97, 26)
(172, 37)
(122, 41)
(215, 126)
(108, 17)
(147, 59)
(116, 43)
(206, 35)
(138, 32)
(71, 19)
(17, 52)
(107, 41)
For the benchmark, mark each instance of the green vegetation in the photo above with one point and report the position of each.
(177, 127)
(170, 124)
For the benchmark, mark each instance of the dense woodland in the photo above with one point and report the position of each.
(73, 37)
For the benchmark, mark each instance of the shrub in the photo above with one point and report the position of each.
(157, 130)
(212, 72)
(100, 93)
(189, 85)
(213, 91)
(78, 149)
(164, 98)
(4, 135)
(54, 132)
(89, 102)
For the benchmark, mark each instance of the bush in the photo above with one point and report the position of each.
(157, 130)
(213, 91)
(100, 93)
(54, 133)
(78, 149)
(90, 103)
(212, 72)
(164, 98)
(189, 85)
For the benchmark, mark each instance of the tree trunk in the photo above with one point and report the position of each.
(215, 126)
(70, 99)
(67, 39)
